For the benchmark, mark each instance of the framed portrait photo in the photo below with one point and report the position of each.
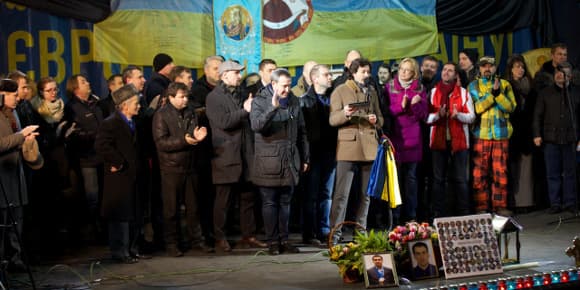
(380, 270)
(423, 260)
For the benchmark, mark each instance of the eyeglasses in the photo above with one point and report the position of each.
(53, 90)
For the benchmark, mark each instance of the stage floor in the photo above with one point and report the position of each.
(543, 244)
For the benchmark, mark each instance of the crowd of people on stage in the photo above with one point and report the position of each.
(161, 162)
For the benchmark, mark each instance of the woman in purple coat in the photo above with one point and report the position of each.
(408, 106)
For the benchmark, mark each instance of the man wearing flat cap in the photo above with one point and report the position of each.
(493, 100)
(162, 65)
(233, 147)
(118, 146)
(17, 146)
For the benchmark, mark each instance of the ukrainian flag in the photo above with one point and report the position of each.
(139, 29)
(380, 29)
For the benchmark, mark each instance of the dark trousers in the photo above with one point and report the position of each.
(317, 195)
(456, 164)
(10, 248)
(205, 194)
(123, 238)
(561, 173)
(407, 172)
(276, 212)
(177, 190)
(222, 204)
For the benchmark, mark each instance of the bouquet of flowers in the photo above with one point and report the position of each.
(349, 257)
(400, 235)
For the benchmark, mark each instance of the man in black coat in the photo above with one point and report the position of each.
(350, 56)
(319, 180)
(162, 65)
(206, 83)
(233, 149)
(555, 126)
(176, 132)
(118, 146)
(84, 116)
(281, 153)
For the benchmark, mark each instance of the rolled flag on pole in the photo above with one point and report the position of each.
(383, 182)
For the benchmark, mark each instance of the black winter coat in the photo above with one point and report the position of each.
(321, 136)
(169, 129)
(232, 136)
(281, 145)
(521, 140)
(552, 115)
(81, 143)
(122, 193)
(155, 86)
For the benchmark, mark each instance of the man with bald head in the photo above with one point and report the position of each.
(304, 82)
(206, 83)
(206, 193)
(318, 182)
(350, 56)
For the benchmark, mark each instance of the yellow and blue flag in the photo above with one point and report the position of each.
(139, 29)
(295, 31)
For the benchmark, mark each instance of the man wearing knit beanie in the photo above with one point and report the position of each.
(162, 65)
(468, 58)
(160, 61)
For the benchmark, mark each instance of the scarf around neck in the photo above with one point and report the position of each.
(51, 112)
(405, 84)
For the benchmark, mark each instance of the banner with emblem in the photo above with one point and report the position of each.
(238, 31)
(139, 29)
(296, 31)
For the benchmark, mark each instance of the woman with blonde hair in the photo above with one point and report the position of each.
(408, 107)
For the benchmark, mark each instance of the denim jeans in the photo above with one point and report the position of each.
(276, 212)
(123, 239)
(561, 172)
(91, 185)
(319, 184)
(407, 172)
(457, 176)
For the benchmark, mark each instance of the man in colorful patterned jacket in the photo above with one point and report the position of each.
(493, 100)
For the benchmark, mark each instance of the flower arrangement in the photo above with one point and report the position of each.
(411, 231)
(349, 257)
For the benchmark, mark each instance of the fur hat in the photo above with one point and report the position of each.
(8, 85)
(472, 54)
(160, 61)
